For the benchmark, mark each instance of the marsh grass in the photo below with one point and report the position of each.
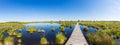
(39, 30)
(31, 29)
(1, 43)
(43, 41)
(85, 28)
(19, 35)
(1, 35)
(8, 41)
(60, 38)
(52, 29)
(62, 28)
(100, 39)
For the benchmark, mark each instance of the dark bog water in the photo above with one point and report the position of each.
(90, 30)
(34, 39)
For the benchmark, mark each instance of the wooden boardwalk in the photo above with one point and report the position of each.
(77, 37)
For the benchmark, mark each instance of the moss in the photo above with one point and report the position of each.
(60, 38)
(43, 41)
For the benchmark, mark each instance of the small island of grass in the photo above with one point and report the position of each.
(60, 38)
(43, 41)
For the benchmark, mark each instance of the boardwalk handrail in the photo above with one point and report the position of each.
(77, 37)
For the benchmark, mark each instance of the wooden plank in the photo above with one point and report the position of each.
(77, 37)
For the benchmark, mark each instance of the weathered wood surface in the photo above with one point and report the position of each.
(77, 37)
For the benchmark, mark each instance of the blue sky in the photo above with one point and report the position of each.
(46, 10)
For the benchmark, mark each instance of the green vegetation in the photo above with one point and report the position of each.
(111, 30)
(11, 27)
(14, 33)
(39, 30)
(85, 28)
(52, 29)
(1, 43)
(100, 39)
(1, 35)
(19, 44)
(10, 32)
(31, 29)
(78, 21)
(67, 23)
(43, 41)
(51, 22)
(60, 38)
(117, 34)
(19, 35)
(62, 28)
(9, 39)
